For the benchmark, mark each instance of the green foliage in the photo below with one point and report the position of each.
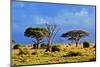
(37, 33)
(56, 48)
(75, 35)
(43, 45)
(17, 46)
(72, 53)
(86, 44)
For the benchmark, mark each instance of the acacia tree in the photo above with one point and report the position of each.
(37, 35)
(51, 33)
(71, 39)
(75, 35)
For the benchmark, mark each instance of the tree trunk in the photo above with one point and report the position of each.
(34, 46)
(77, 41)
(48, 46)
(38, 44)
(76, 44)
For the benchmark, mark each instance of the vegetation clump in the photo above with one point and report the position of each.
(75, 35)
(72, 53)
(17, 46)
(37, 34)
(43, 45)
(86, 44)
(56, 48)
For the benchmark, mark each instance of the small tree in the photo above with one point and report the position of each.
(37, 34)
(75, 35)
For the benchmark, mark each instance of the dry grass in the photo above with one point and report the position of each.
(39, 56)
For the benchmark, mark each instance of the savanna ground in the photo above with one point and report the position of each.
(67, 54)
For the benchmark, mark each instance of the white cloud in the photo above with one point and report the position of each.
(72, 18)
(82, 12)
(67, 18)
(40, 20)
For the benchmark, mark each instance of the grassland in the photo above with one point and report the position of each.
(67, 54)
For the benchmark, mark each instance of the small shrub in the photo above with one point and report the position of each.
(43, 45)
(17, 46)
(56, 48)
(86, 44)
(72, 53)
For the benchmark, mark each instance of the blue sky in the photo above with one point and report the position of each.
(67, 17)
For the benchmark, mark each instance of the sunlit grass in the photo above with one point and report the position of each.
(39, 56)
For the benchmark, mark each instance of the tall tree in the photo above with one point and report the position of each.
(75, 35)
(37, 34)
(52, 31)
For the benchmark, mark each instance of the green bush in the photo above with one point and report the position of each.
(72, 53)
(86, 44)
(56, 48)
(17, 46)
(43, 45)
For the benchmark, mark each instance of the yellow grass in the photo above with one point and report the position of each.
(39, 56)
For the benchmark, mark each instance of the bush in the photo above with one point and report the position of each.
(86, 44)
(43, 45)
(17, 46)
(56, 48)
(72, 53)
